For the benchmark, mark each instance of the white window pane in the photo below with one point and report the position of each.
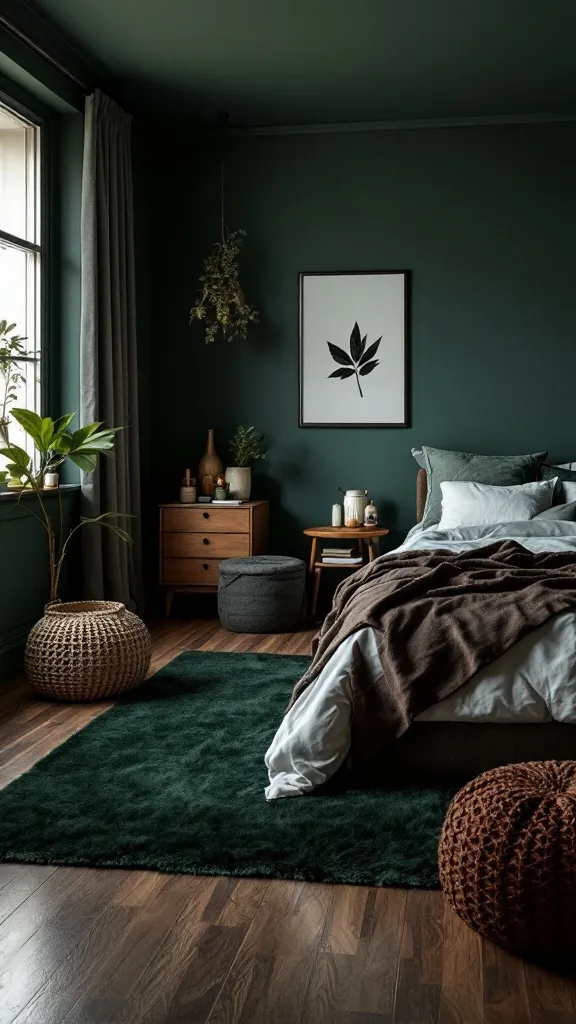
(27, 397)
(19, 304)
(19, 280)
(19, 192)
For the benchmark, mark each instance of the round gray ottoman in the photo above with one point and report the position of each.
(262, 594)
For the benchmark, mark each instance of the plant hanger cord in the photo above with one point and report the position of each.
(223, 118)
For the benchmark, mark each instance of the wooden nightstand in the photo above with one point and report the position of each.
(195, 538)
(363, 534)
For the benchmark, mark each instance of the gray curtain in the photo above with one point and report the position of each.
(109, 382)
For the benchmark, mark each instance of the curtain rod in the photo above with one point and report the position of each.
(17, 32)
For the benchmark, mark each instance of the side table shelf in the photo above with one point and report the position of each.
(365, 535)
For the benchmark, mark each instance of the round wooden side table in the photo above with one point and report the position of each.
(365, 535)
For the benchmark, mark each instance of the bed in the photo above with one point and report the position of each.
(521, 707)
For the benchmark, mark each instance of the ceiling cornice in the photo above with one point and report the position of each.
(413, 124)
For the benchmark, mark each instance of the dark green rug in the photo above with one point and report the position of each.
(173, 778)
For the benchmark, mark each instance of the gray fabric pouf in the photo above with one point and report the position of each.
(262, 594)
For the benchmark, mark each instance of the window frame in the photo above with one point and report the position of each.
(15, 102)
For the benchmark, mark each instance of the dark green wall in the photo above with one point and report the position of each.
(486, 220)
(25, 577)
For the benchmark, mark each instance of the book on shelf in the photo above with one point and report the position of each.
(332, 560)
(228, 501)
(339, 552)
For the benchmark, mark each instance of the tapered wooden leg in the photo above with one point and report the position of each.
(371, 552)
(315, 589)
(313, 551)
(168, 603)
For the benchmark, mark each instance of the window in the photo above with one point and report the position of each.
(20, 257)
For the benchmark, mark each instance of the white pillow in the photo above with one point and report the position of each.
(569, 489)
(466, 503)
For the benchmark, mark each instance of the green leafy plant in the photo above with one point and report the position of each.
(11, 350)
(54, 444)
(245, 446)
(361, 360)
(221, 303)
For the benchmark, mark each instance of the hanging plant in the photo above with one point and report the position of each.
(221, 303)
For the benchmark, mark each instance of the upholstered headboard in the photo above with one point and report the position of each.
(421, 491)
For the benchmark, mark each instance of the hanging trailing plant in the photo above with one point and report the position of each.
(221, 303)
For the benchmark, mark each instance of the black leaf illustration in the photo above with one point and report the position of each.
(346, 371)
(355, 343)
(368, 367)
(339, 355)
(370, 352)
(361, 360)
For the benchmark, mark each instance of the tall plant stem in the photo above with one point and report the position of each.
(358, 383)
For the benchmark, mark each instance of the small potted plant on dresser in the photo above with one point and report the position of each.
(245, 448)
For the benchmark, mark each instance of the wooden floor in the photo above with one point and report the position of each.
(90, 946)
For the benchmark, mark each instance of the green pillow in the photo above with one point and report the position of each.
(502, 470)
(549, 472)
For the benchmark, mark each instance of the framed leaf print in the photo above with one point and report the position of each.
(354, 349)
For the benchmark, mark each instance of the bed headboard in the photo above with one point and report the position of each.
(421, 491)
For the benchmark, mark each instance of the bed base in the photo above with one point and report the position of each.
(455, 752)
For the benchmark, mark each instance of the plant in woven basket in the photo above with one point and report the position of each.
(54, 444)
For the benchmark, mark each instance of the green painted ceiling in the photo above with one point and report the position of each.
(272, 62)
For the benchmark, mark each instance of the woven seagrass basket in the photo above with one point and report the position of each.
(507, 856)
(87, 650)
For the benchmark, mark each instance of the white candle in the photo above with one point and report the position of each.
(336, 515)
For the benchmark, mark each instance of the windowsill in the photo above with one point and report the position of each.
(16, 496)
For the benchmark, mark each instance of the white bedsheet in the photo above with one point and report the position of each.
(535, 681)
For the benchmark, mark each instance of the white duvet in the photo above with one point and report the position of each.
(535, 681)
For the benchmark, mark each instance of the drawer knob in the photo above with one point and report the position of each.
(206, 515)
(205, 566)
(205, 540)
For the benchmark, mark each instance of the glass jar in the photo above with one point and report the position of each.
(354, 504)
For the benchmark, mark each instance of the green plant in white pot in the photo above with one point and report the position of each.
(54, 444)
(245, 449)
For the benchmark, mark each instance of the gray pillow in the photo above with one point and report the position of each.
(418, 454)
(498, 470)
(564, 475)
(560, 513)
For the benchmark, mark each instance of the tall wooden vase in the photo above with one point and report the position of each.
(211, 467)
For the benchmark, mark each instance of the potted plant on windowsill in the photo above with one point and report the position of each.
(82, 650)
(245, 448)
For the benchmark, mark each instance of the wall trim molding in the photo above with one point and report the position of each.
(412, 124)
(15, 636)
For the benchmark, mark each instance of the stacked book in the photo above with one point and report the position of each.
(341, 556)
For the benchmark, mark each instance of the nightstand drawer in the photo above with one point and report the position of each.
(213, 520)
(205, 545)
(191, 572)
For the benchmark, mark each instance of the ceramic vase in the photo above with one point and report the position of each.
(239, 480)
(211, 467)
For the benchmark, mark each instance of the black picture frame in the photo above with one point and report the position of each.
(406, 422)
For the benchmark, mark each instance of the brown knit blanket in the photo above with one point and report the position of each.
(437, 619)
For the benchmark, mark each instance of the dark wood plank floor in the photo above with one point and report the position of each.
(86, 946)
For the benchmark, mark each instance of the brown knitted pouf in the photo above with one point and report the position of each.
(507, 856)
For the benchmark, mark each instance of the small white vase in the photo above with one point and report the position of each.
(239, 479)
